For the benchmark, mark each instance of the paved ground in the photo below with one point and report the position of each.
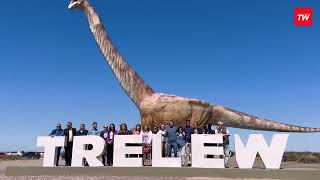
(115, 178)
(296, 170)
(18, 163)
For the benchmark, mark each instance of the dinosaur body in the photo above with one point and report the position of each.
(156, 108)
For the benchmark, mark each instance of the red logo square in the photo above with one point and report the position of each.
(303, 16)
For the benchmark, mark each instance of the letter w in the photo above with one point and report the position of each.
(270, 155)
(304, 17)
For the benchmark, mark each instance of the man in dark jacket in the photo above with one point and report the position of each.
(208, 130)
(188, 131)
(82, 131)
(57, 132)
(69, 132)
(104, 135)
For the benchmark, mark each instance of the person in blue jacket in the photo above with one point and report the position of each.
(57, 132)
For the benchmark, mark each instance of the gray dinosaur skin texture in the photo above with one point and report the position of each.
(156, 108)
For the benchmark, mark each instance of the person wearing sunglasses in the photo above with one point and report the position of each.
(57, 132)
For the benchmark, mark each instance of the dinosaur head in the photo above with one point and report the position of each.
(75, 4)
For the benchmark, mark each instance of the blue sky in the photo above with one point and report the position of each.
(245, 55)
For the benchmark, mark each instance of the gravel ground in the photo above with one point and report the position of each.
(4, 164)
(112, 178)
(258, 164)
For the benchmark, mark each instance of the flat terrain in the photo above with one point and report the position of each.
(300, 169)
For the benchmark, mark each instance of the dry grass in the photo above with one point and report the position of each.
(303, 157)
(38, 163)
(11, 158)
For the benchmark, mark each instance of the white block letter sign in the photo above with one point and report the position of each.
(270, 155)
(50, 145)
(157, 159)
(121, 149)
(199, 151)
(80, 153)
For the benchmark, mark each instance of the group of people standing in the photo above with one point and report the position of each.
(69, 132)
(176, 141)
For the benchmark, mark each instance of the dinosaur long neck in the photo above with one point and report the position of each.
(131, 82)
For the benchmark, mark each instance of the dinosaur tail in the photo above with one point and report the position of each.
(232, 118)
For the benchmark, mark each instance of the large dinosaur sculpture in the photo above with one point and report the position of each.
(156, 108)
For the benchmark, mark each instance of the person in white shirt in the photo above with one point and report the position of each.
(221, 129)
(146, 140)
(162, 131)
(69, 132)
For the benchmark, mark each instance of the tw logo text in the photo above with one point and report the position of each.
(303, 16)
